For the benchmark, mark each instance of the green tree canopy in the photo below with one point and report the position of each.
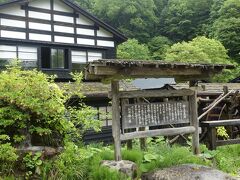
(227, 27)
(132, 49)
(158, 46)
(199, 50)
(184, 19)
(134, 18)
(230, 8)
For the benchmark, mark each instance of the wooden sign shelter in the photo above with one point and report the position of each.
(142, 115)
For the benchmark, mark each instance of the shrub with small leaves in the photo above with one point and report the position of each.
(32, 103)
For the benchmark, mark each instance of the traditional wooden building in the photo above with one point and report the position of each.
(55, 36)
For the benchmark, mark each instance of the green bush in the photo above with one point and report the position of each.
(70, 164)
(8, 158)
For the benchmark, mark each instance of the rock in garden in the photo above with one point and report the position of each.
(187, 172)
(127, 167)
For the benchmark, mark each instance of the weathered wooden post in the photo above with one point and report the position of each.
(116, 120)
(195, 122)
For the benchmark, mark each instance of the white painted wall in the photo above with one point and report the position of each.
(13, 34)
(12, 23)
(63, 39)
(83, 41)
(40, 26)
(83, 31)
(45, 4)
(13, 10)
(84, 21)
(105, 43)
(60, 6)
(103, 33)
(39, 15)
(61, 18)
(63, 29)
(39, 37)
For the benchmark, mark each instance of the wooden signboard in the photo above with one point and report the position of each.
(154, 114)
(131, 115)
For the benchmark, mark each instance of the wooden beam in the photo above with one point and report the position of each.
(159, 132)
(227, 142)
(116, 120)
(195, 123)
(212, 136)
(154, 93)
(146, 71)
(215, 104)
(230, 122)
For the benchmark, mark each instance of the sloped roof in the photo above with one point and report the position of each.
(125, 69)
(120, 37)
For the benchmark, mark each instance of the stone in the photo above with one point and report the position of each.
(187, 172)
(126, 167)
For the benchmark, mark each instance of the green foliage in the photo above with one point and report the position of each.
(228, 159)
(228, 32)
(70, 164)
(8, 158)
(158, 46)
(32, 163)
(105, 173)
(230, 8)
(30, 102)
(199, 50)
(227, 75)
(132, 49)
(133, 18)
(86, 4)
(185, 19)
(222, 132)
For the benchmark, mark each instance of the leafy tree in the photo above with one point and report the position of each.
(185, 19)
(132, 49)
(134, 18)
(158, 46)
(199, 50)
(86, 4)
(202, 50)
(230, 8)
(228, 32)
(227, 27)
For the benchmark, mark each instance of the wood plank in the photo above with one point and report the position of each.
(155, 93)
(230, 122)
(116, 120)
(155, 114)
(146, 71)
(194, 122)
(212, 135)
(159, 132)
(227, 142)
